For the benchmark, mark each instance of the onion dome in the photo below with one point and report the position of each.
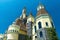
(41, 10)
(30, 15)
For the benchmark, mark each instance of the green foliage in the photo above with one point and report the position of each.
(27, 38)
(51, 33)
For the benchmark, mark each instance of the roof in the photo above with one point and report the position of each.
(30, 15)
(41, 11)
(21, 24)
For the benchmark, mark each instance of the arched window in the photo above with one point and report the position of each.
(46, 23)
(41, 34)
(35, 28)
(52, 24)
(35, 37)
(13, 30)
(39, 24)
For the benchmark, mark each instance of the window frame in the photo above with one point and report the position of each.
(41, 34)
(46, 23)
(39, 25)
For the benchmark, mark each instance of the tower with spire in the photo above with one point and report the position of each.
(30, 21)
(23, 13)
(43, 29)
(29, 27)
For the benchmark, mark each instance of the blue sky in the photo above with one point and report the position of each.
(11, 9)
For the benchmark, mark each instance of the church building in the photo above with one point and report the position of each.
(28, 27)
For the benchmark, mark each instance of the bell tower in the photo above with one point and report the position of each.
(43, 24)
(30, 21)
(23, 13)
(43, 20)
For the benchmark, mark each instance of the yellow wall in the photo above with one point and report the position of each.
(30, 19)
(23, 32)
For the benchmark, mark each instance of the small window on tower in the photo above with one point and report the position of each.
(39, 24)
(35, 28)
(52, 23)
(35, 36)
(41, 34)
(46, 23)
(13, 30)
